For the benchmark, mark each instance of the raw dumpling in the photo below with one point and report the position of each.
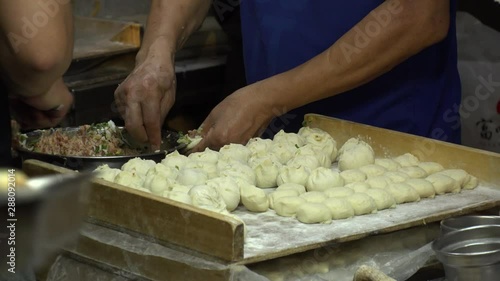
(472, 183)
(362, 204)
(289, 138)
(414, 172)
(323, 141)
(339, 208)
(314, 213)
(175, 160)
(207, 155)
(106, 173)
(254, 199)
(407, 160)
(338, 192)
(351, 176)
(129, 179)
(431, 167)
(236, 152)
(281, 193)
(258, 145)
(373, 170)
(176, 187)
(379, 182)
(382, 198)
(294, 186)
(358, 186)
(424, 188)
(443, 184)
(138, 166)
(160, 169)
(397, 176)
(228, 189)
(459, 175)
(178, 196)
(388, 164)
(239, 170)
(309, 149)
(314, 196)
(287, 206)
(192, 177)
(266, 172)
(207, 197)
(293, 173)
(209, 168)
(283, 151)
(403, 193)
(356, 156)
(157, 184)
(309, 161)
(322, 178)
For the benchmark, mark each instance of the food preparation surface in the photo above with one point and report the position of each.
(271, 236)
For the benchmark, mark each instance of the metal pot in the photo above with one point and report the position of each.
(470, 254)
(456, 223)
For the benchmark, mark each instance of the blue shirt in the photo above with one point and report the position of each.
(420, 96)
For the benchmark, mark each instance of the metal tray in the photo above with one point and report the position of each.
(90, 163)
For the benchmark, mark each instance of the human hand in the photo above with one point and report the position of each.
(145, 98)
(241, 116)
(42, 111)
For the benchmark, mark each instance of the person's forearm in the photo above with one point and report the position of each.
(169, 24)
(36, 45)
(414, 25)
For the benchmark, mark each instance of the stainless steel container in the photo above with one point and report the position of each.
(470, 254)
(456, 223)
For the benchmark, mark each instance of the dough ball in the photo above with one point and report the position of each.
(354, 175)
(254, 199)
(207, 155)
(139, 166)
(424, 188)
(356, 156)
(209, 168)
(403, 193)
(338, 192)
(310, 161)
(178, 196)
(239, 170)
(414, 172)
(176, 187)
(157, 184)
(289, 138)
(258, 145)
(266, 173)
(314, 213)
(304, 132)
(293, 173)
(192, 177)
(362, 204)
(459, 175)
(207, 197)
(294, 186)
(236, 152)
(314, 196)
(472, 183)
(388, 164)
(130, 179)
(175, 160)
(397, 176)
(287, 206)
(316, 151)
(382, 198)
(322, 178)
(358, 186)
(379, 182)
(350, 143)
(431, 167)
(407, 160)
(160, 169)
(443, 184)
(283, 151)
(106, 173)
(228, 189)
(281, 193)
(373, 170)
(339, 208)
(323, 142)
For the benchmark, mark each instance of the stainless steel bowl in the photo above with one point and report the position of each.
(456, 223)
(470, 254)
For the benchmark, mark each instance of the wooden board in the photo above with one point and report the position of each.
(171, 222)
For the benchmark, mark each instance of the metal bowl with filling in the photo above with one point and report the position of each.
(84, 148)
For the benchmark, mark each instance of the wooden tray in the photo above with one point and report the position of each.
(221, 237)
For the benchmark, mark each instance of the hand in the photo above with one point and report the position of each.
(145, 98)
(241, 116)
(42, 111)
